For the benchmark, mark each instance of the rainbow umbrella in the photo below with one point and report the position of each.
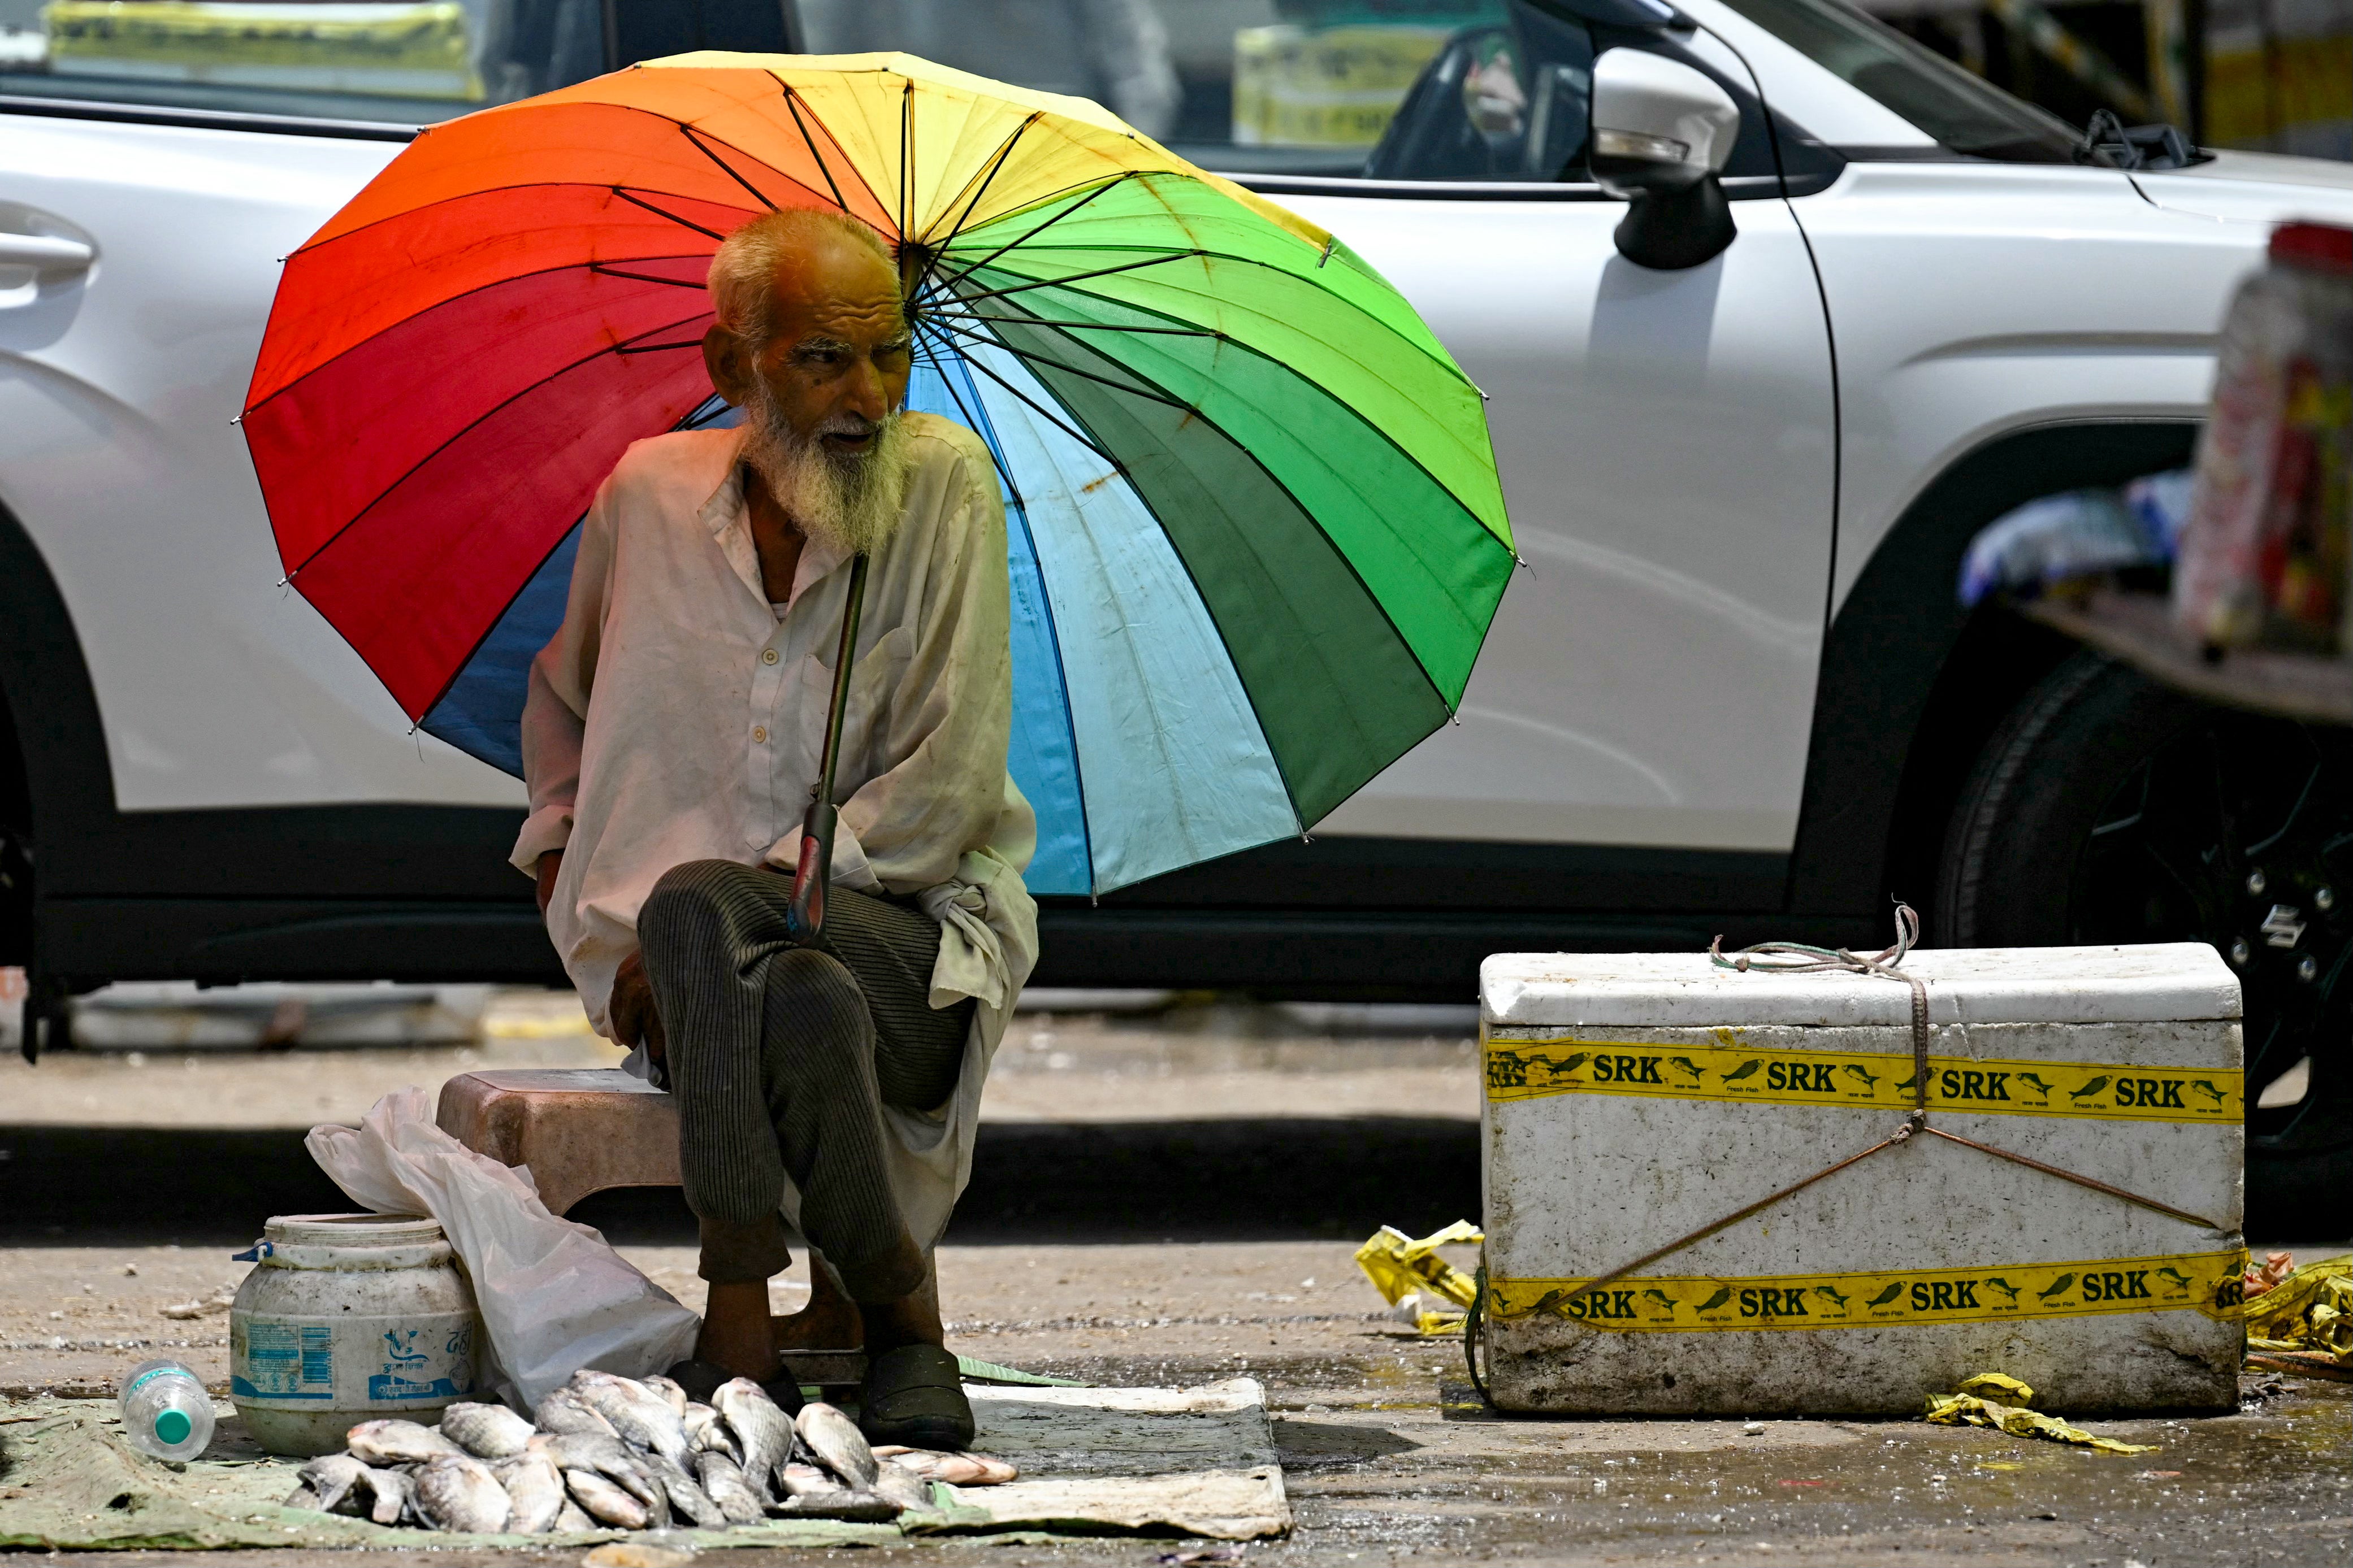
(1256, 533)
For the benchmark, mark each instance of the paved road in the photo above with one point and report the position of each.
(1189, 1216)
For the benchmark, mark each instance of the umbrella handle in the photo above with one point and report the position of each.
(804, 916)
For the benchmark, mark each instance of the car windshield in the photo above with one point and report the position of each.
(1963, 112)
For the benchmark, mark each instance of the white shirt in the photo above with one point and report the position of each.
(676, 717)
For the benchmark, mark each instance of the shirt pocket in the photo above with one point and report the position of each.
(874, 682)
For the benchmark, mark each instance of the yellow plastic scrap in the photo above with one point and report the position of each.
(2310, 1311)
(1967, 1406)
(1399, 1266)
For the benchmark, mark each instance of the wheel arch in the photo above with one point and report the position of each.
(1912, 686)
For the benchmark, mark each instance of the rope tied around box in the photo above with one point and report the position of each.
(1797, 958)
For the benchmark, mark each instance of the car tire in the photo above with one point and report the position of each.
(2110, 808)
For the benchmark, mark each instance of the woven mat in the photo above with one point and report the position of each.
(1197, 1461)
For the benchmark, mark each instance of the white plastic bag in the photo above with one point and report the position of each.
(554, 1295)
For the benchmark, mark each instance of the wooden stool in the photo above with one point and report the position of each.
(580, 1130)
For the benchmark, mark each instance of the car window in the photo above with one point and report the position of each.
(1303, 86)
(1963, 112)
(410, 62)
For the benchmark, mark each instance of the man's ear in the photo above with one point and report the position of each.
(723, 357)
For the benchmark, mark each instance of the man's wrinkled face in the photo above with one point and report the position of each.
(839, 351)
(821, 397)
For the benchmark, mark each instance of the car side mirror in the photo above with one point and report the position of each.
(1662, 133)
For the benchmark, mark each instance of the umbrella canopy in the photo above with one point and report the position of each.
(1256, 535)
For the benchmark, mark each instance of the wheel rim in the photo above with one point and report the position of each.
(2239, 832)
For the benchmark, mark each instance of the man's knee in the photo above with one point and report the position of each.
(688, 898)
(817, 1012)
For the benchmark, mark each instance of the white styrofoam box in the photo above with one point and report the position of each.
(1634, 1098)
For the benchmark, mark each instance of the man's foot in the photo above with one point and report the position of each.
(914, 1396)
(820, 1326)
(735, 1336)
(830, 1321)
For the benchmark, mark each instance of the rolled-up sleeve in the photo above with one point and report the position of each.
(951, 715)
(554, 713)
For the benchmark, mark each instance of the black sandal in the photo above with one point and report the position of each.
(914, 1396)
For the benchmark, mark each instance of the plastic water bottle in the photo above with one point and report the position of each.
(165, 1410)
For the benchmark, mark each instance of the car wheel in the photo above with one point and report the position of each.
(2108, 808)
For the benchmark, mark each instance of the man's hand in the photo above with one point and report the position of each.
(550, 865)
(635, 1019)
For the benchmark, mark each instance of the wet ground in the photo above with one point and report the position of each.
(1172, 1198)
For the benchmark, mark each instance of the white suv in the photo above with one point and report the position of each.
(1732, 692)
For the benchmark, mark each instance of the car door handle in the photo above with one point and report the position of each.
(44, 253)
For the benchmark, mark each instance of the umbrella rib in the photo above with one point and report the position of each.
(1010, 244)
(352, 522)
(1004, 153)
(1079, 277)
(655, 348)
(1047, 414)
(1082, 326)
(683, 223)
(793, 104)
(1128, 387)
(724, 167)
(971, 423)
(599, 267)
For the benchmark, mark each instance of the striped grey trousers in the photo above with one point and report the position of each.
(781, 1058)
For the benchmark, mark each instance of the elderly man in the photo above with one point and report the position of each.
(671, 742)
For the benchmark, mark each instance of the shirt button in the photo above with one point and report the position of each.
(767, 655)
(760, 733)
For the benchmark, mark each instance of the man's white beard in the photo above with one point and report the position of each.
(852, 501)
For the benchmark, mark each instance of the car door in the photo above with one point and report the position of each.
(1667, 447)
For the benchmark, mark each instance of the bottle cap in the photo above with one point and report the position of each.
(172, 1426)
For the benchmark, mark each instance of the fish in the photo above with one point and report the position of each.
(2009, 1291)
(1827, 1294)
(536, 1488)
(1746, 1070)
(956, 1470)
(566, 1411)
(2180, 1280)
(1868, 1080)
(643, 1417)
(686, 1494)
(1886, 1296)
(761, 1431)
(607, 1457)
(1912, 1082)
(1718, 1300)
(394, 1442)
(706, 1433)
(895, 1482)
(329, 1478)
(1686, 1064)
(2040, 1087)
(845, 1505)
(2058, 1286)
(2094, 1087)
(459, 1493)
(1566, 1065)
(1662, 1298)
(835, 1443)
(395, 1494)
(572, 1517)
(669, 1390)
(605, 1502)
(486, 1431)
(723, 1479)
(2208, 1089)
(805, 1480)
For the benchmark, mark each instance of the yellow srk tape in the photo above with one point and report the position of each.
(1730, 1069)
(2205, 1283)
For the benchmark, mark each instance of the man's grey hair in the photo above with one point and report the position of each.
(743, 270)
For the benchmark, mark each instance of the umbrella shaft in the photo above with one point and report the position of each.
(805, 917)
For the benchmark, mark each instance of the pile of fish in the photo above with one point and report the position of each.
(609, 1451)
